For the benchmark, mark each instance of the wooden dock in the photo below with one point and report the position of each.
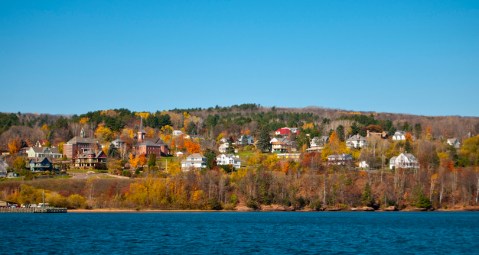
(33, 210)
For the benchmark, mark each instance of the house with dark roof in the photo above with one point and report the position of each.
(40, 164)
(90, 159)
(79, 145)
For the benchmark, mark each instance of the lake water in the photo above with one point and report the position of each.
(241, 233)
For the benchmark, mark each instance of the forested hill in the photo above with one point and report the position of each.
(233, 120)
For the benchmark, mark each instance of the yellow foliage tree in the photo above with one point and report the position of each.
(14, 145)
(143, 115)
(76, 201)
(46, 130)
(308, 125)
(103, 133)
(60, 147)
(334, 146)
(150, 132)
(197, 197)
(167, 129)
(133, 161)
(137, 194)
(84, 120)
(128, 132)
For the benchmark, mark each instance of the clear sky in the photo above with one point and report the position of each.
(67, 57)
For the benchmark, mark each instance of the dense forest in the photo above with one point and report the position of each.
(448, 177)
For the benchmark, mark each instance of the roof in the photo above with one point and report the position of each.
(280, 140)
(40, 160)
(452, 140)
(45, 149)
(287, 131)
(340, 157)
(78, 139)
(150, 143)
(195, 155)
(86, 154)
(409, 156)
(356, 137)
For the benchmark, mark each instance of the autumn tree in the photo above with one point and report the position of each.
(103, 133)
(334, 146)
(191, 146)
(14, 146)
(469, 153)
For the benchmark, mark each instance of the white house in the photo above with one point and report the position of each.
(356, 141)
(404, 160)
(399, 136)
(224, 159)
(42, 152)
(340, 159)
(454, 142)
(179, 154)
(193, 161)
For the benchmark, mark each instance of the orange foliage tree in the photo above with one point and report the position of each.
(192, 147)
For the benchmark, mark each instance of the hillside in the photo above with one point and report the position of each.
(293, 159)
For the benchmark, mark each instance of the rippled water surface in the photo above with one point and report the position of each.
(241, 233)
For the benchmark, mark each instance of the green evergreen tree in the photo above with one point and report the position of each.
(340, 132)
(151, 160)
(264, 144)
(367, 198)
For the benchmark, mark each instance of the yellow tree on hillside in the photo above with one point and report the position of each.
(14, 145)
(84, 120)
(103, 133)
(143, 115)
(334, 146)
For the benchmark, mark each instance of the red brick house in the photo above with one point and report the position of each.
(80, 144)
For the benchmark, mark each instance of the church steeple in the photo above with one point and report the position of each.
(141, 132)
(82, 133)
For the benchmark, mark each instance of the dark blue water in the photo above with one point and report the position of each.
(241, 233)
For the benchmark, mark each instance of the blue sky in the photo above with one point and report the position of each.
(419, 57)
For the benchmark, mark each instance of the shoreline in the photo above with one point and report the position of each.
(119, 210)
